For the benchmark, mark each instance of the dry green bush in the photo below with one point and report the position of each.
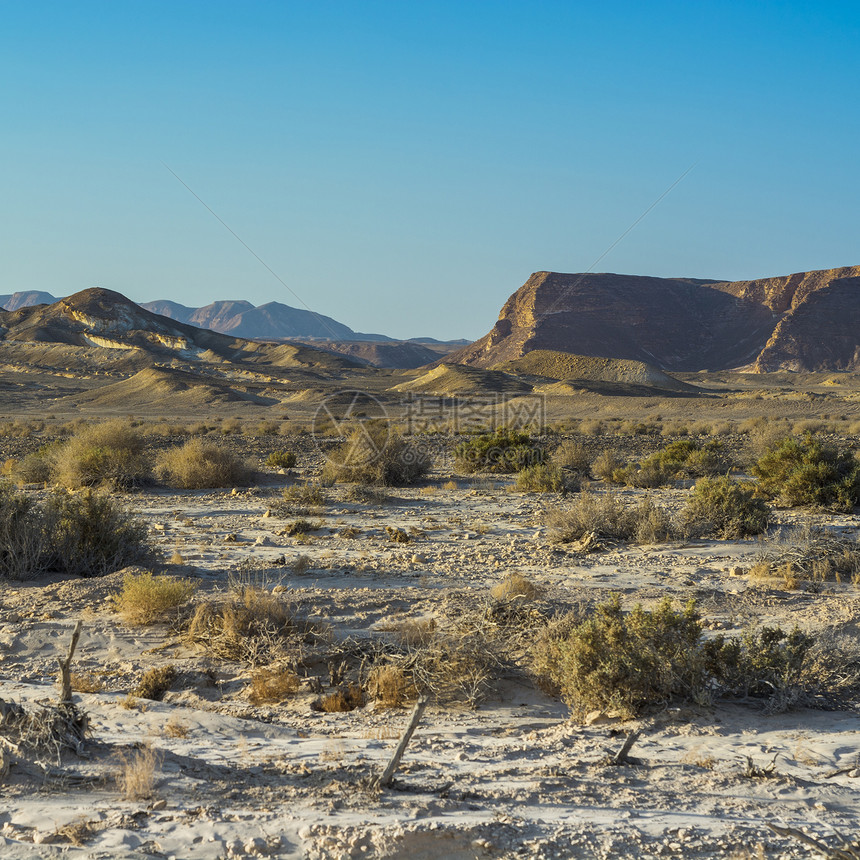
(108, 453)
(503, 451)
(272, 685)
(546, 478)
(249, 625)
(683, 458)
(267, 428)
(572, 456)
(91, 535)
(37, 467)
(377, 455)
(724, 509)
(155, 682)
(629, 661)
(146, 598)
(302, 499)
(606, 464)
(281, 460)
(85, 534)
(807, 472)
(198, 465)
(607, 518)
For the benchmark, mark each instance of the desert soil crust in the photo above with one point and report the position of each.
(513, 776)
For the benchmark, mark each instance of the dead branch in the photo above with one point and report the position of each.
(621, 757)
(65, 677)
(388, 774)
(845, 852)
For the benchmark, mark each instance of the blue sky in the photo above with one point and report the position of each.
(404, 166)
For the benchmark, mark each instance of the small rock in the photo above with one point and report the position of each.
(159, 804)
(267, 514)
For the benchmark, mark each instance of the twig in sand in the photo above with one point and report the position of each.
(845, 851)
(622, 757)
(388, 774)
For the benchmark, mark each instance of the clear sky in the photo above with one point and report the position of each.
(404, 166)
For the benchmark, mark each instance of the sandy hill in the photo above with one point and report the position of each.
(572, 368)
(448, 379)
(682, 324)
(163, 389)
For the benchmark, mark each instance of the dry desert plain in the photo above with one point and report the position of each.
(499, 765)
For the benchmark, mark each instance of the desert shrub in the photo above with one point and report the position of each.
(37, 467)
(23, 535)
(573, 457)
(652, 524)
(272, 685)
(514, 586)
(267, 428)
(302, 499)
(628, 661)
(725, 509)
(86, 534)
(607, 518)
(281, 460)
(145, 597)
(809, 553)
(249, 625)
(807, 472)
(606, 464)
(390, 686)
(545, 478)
(155, 682)
(111, 452)
(91, 535)
(367, 495)
(375, 454)
(682, 458)
(198, 465)
(505, 450)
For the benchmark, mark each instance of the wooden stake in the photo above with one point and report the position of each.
(388, 774)
(621, 756)
(65, 678)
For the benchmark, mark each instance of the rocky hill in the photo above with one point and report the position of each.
(109, 322)
(795, 322)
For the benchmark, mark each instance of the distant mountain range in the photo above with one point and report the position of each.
(272, 321)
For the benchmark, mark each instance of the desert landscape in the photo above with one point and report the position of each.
(617, 589)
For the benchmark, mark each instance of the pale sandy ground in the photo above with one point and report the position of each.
(513, 778)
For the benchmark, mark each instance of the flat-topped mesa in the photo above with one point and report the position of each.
(681, 324)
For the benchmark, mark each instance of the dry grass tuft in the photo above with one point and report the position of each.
(155, 683)
(175, 728)
(270, 686)
(86, 682)
(514, 586)
(146, 597)
(137, 775)
(346, 698)
(390, 686)
(250, 625)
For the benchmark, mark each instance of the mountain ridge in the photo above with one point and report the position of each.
(680, 324)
